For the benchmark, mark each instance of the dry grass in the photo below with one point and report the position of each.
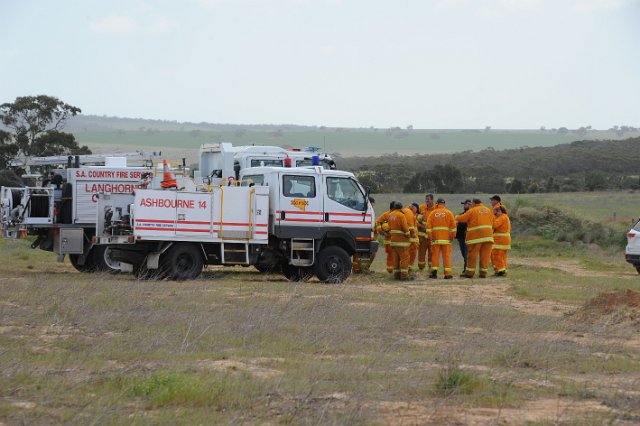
(236, 346)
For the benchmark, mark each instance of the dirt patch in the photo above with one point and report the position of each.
(572, 267)
(616, 310)
(234, 367)
(543, 410)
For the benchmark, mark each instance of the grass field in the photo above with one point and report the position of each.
(619, 208)
(347, 142)
(237, 346)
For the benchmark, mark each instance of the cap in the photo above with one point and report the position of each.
(440, 201)
(416, 205)
(495, 197)
(466, 201)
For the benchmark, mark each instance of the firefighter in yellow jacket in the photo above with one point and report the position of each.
(479, 240)
(382, 228)
(441, 228)
(501, 240)
(410, 214)
(424, 251)
(399, 241)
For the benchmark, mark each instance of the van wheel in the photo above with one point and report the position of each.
(333, 265)
(183, 261)
(88, 265)
(103, 260)
(297, 273)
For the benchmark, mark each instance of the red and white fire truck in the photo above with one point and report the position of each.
(301, 221)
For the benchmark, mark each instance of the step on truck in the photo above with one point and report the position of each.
(301, 222)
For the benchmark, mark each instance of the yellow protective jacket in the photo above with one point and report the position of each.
(423, 214)
(384, 218)
(412, 223)
(441, 226)
(502, 233)
(479, 220)
(399, 229)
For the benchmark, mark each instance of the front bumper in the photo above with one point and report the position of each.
(633, 258)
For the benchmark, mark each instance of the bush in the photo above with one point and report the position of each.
(554, 224)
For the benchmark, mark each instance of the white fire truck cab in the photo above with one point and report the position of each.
(301, 221)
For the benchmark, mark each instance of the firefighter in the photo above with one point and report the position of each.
(461, 233)
(363, 266)
(424, 252)
(479, 240)
(399, 236)
(415, 241)
(502, 241)
(382, 228)
(441, 228)
(413, 231)
(496, 201)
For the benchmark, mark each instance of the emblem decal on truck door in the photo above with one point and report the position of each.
(300, 203)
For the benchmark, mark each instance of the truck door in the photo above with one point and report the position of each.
(345, 206)
(299, 204)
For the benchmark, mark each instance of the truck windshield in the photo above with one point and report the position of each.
(266, 163)
(346, 192)
(252, 179)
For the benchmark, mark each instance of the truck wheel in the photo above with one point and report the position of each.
(297, 273)
(88, 265)
(103, 261)
(638, 268)
(333, 265)
(183, 261)
(266, 268)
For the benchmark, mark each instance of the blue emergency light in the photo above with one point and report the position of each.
(315, 160)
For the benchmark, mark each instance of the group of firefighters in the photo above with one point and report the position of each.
(426, 232)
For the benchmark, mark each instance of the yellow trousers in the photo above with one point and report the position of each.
(483, 251)
(445, 251)
(400, 262)
(499, 260)
(424, 253)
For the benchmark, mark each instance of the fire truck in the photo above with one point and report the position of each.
(61, 211)
(302, 222)
(219, 162)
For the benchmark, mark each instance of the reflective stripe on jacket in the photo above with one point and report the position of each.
(441, 226)
(479, 220)
(502, 233)
(412, 222)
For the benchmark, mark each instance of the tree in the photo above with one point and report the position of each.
(37, 123)
(8, 150)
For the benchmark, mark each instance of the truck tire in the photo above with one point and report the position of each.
(297, 273)
(103, 261)
(88, 265)
(333, 265)
(183, 261)
(637, 268)
(266, 268)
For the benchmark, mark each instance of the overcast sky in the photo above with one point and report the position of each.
(352, 63)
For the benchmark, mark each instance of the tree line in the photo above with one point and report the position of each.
(576, 166)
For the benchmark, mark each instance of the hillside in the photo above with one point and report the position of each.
(113, 133)
(580, 165)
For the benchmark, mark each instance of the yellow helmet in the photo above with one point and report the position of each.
(385, 226)
(420, 217)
